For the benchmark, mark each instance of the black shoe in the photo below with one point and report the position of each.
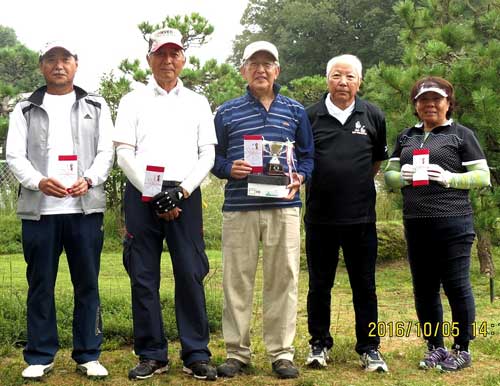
(230, 368)
(285, 369)
(201, 370)
(146, 368)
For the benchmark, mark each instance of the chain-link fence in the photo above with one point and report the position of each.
(8, 188)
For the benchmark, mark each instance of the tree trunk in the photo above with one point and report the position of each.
(484, 253)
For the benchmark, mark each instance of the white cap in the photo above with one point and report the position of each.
(57, 44)
(261, 45)
(431, 87)
(165, 36)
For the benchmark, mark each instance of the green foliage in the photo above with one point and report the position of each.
(458, 40)
(309, 32)
(218, 82)
(115, 300)
(307, 90)
(113, 89)
(10, 236)
(195, 29)
(18, 73)
(8, 37)
(19, 68)
(391, 241)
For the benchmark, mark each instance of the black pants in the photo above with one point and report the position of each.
(81, 236)
(439, 253)
(359, 246)
(142, 258)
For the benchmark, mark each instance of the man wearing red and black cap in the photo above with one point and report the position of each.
(59, 148)
(166, 127)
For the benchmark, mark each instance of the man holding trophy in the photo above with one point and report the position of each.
(265, 151)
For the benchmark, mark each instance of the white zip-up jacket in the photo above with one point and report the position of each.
(91, 127)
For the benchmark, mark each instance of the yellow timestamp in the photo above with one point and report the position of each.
(402, 329)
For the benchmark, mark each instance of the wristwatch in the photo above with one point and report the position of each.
(89, 182)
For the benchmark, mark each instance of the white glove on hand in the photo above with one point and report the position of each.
(438, 174)
(407, 172)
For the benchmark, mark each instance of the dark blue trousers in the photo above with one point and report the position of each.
(142, 257)
(359, 247)
(81, 236)
(439, 253)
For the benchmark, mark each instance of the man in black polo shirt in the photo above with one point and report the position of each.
(350, 143)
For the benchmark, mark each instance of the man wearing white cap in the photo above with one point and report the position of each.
(59, 148)
(248, 220)
(166, 129)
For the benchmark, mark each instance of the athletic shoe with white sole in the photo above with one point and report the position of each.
(318, 356)
(35, 372)
(92, 369)
(373, 361)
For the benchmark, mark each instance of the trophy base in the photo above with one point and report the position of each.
(275, 170)
(267, 186)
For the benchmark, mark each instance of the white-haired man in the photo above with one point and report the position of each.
(350, 143)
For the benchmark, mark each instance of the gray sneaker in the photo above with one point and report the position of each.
(456, 360)
(285, 369)
(318, 356)
(432, 358)
(373, 361)
(230, 368)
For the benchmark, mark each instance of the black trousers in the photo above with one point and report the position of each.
(359, 246)
(439, 254)
(142, 257)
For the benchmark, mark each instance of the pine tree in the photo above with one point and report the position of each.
(460, 41)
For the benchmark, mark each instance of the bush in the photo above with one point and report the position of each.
(391, 240)
(10, 234)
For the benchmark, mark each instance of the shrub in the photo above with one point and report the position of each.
(391, 240)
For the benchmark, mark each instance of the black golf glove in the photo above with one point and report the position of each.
(167, 200)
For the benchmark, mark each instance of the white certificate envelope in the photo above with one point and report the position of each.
(67, 170)
(153, 182)
(421, 163)
(252, 145)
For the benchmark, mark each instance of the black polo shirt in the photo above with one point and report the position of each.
(341, 190)
(451, 146)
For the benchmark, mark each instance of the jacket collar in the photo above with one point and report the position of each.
(37, 97)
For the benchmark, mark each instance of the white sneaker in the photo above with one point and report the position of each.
(318, 356)
(92, 369)
(373, 361)
(37, 371)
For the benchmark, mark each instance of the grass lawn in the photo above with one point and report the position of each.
(395, 305)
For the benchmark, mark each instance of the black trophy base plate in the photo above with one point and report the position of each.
(268, 180)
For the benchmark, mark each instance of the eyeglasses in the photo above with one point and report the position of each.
(266, 65)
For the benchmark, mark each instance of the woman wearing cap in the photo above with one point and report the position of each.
(441, 160)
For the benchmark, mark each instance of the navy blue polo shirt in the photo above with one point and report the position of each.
(341, 190)
(285, 120)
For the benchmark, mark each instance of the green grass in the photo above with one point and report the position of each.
(395, 304)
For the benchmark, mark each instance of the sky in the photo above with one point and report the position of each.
(104, 32)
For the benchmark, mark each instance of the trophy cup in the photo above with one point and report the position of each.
(274, 167)
(273, 183)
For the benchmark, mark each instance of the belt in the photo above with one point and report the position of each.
(170, 184)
